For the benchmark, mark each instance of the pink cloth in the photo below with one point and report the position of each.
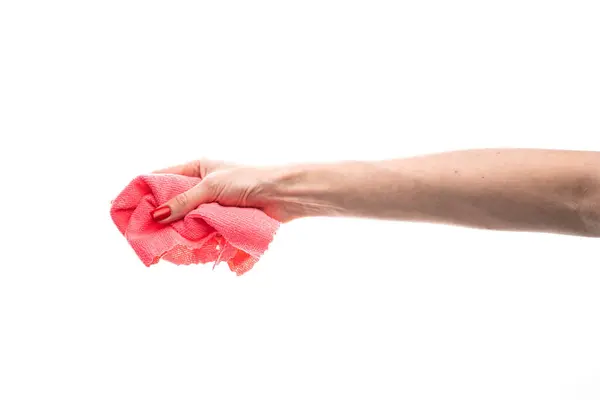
(210, 233)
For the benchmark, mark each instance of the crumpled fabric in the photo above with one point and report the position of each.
(209, 234)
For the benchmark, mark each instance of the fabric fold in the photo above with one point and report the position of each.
(210, 233)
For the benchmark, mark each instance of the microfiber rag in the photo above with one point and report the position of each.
(210, 233)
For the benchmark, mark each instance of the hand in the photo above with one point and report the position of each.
(224, 183)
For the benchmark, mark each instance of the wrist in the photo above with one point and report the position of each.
(303, 190)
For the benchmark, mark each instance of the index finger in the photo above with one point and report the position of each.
(191, 168)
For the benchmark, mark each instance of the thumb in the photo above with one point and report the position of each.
(180, 205)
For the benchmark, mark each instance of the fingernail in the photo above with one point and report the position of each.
(161, 213)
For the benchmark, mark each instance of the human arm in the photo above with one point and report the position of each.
(555, 191)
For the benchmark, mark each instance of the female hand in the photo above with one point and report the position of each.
(224, 183)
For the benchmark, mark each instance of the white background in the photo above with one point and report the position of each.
(94, 93)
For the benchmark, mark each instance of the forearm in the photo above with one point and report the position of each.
(504, 189)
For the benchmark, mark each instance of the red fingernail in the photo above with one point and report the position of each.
(161, 213)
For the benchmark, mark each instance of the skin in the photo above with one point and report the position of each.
(535, 190)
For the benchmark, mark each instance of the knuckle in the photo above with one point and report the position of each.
(182, 199)
(212, 186)
(210, 183)
(198, 168)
